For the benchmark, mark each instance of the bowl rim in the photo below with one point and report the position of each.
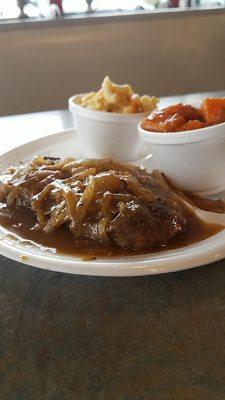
(194, 135)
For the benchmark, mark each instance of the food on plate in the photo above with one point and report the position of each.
(117, 98)
(95, 207)
(180, 117)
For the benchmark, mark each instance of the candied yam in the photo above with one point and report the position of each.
(172, 123)
(187, 111)
(191, 125)
(157, 116)
(159, 122)
(213, 110)
(181, 117)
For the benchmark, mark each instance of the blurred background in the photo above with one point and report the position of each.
(51, 49)
(13, 9)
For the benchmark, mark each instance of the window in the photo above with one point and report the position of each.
(13, 9)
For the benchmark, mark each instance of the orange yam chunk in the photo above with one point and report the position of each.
(159, 121)
(213, 110)
(187, 111)
(191, 125)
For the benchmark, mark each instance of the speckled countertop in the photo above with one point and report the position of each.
(84, 338)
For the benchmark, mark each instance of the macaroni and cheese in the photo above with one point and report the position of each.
(117, 98)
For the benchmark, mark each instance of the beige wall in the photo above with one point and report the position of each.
(42, 65)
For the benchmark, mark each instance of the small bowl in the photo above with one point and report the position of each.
(103, 134)
(193, 160)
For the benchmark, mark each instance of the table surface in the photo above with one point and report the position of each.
(66, 337)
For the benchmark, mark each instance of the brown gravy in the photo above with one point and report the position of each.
(21, 222)
(216, 206)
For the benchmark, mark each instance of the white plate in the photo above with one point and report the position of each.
(64, 144)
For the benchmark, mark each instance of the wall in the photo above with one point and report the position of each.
(42, 64)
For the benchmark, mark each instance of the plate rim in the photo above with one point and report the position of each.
(198, 256)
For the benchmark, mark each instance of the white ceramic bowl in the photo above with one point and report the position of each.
(106, 135)
(193, 160)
